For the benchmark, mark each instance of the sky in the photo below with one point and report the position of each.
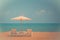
(40, 11)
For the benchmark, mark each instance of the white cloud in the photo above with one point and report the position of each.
(40, 12)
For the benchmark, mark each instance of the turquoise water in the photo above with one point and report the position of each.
(37, 27)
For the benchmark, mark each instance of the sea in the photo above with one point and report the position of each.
(36, 27)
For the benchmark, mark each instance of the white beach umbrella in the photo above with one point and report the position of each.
(21, 18)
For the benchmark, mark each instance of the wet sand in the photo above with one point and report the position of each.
(34, 36)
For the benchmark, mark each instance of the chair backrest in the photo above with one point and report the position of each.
(29, 30)
(13, 31)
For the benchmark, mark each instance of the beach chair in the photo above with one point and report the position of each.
(29, 32)
(13, 32)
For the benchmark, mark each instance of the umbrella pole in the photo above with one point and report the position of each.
(21, 25)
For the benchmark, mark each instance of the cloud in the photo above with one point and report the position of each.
(40, 12)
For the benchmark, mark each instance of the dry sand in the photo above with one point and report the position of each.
(35, 36)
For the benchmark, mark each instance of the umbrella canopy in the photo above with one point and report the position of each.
(21, 18)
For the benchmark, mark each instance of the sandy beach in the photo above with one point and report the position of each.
(34, 36)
